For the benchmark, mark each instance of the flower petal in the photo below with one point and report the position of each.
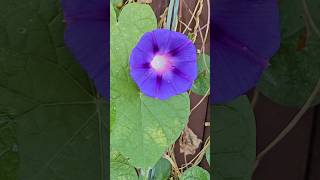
(167, 88)
(101, 83)
(185, 54)
(145, 48)
(255, 23)
(187, 70)
(245, 34)
(179, 42)
(88, 42)
(234, 73)
(148, 83)
(85, 9)
(181, 81)
(162, 38)
(181, 70)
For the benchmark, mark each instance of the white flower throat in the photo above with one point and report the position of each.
(159, 63)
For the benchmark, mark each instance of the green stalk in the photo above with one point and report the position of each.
(175, 16)
(169, 17)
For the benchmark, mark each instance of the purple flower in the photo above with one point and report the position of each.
(245, 36)
(87, 37)
(163, 63)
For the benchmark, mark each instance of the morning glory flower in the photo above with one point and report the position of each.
(163, 63)
(245, 35)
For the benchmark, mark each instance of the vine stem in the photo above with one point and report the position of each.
(201, 100)
(193, 15)
(290, 126)
(197, 159)
(309, 17)
(304, 108)
(255, 98)
(208, 26)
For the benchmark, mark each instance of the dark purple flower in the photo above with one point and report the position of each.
(87, 37)
(245, 36)
(163, 63)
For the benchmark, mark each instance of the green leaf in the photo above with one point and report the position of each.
(202, 84)
(135, 19)
(9, 159)
(121, 169)
(295, 69)
(148, 125)
(59, 117)
(162, 170)
(143, 125)
(195, 173)
(234, 140)
(112, 115)
(116, 2)
(292, 15)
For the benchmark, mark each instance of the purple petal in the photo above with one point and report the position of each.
(162, 38)
(186, 70)
(245, 36)
(148, 84)
(145, 48)
(168, 88)
(233, 75)
(178, 67)
(186, 53)
(102, 84)
(88, 42)
(179, 43)
(181, 81)
(85, 9)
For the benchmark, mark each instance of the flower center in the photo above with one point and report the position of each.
(160, 63)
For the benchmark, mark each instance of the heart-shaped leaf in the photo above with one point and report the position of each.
(295, 69)
(234, 140)
(144, 127)
(60, 118)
